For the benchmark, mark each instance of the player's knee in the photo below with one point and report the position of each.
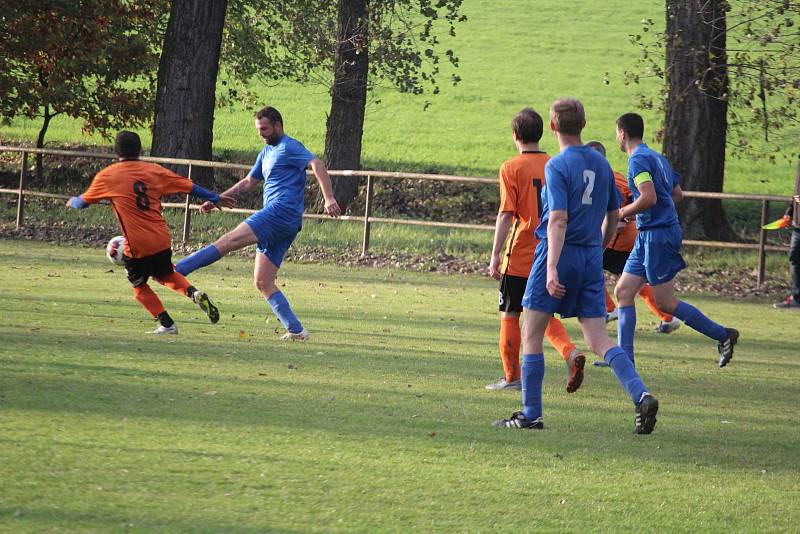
(265, 286)
(665, 303)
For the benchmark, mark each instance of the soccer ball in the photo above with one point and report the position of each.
(115, 250)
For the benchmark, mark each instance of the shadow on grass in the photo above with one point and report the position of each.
(361, 412)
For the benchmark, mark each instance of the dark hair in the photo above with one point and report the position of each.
(632, 124)
(568, 116)
(597, 145)
(128, 145)
(527, 126)
(270, 113)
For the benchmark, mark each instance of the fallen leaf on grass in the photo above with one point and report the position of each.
(432, 434)
(291, 366)
(210, 392)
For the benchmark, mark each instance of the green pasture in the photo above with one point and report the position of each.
(512, 54)
(380, 423)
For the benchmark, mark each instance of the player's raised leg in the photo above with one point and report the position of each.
(668, 323)
(726, 337)
(179, 284)
(594, 333)
(265, 274)
(238, 238)
(557, 335)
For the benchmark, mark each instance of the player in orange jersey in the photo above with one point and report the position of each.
(521, 182)
(135, 189)
(617, 252)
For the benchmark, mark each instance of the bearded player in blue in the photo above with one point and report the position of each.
(580, 206)
(281, 166)
(656, 258)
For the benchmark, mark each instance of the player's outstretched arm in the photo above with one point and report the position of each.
(501, 226)
(227, 199)
(324, 180)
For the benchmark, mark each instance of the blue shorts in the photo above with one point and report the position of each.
(275, 234)
(656, 255)
(580, 271)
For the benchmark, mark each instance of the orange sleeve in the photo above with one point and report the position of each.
(508, 191)
(173, 183)
(98, 189)
(624, 190)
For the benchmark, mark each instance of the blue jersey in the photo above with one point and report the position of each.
(579, 181)
(283, 169)
(646, 160)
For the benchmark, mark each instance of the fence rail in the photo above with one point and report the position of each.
(367, 218)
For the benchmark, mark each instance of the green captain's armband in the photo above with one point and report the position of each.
(642, 177)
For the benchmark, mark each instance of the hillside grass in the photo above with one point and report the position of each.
(512, 54)
(380, 423)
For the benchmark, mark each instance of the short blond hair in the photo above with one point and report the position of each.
(568, 116)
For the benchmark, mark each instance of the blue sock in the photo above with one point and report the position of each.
(201, 258)
(626, 327)
(618, 360)
(532, 375)
(280, 306)
(695, 319)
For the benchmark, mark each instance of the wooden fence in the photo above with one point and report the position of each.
(367, 218)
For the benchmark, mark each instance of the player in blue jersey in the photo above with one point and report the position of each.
(580, 206)
(656, 258)
(281, 166)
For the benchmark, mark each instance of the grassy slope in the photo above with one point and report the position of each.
(512, 54)
(382, 424)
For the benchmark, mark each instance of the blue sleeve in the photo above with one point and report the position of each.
(298, 155)
(676, 179)
(205, 194)
(255, 172)
(555, 188)
(78, 203)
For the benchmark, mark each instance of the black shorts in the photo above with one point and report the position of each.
(156, 265)
(614, 261)
(512, 289)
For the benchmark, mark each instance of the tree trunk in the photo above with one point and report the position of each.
(187, 79)
(40, 141)
(345, 124)
(696, 120)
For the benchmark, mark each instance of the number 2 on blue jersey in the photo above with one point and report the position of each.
(588, 181)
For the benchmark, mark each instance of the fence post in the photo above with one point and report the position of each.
(187, 213)
(21, 195)
(762, 242)
(367, 213)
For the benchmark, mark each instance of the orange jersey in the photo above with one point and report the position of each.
(135, 189)
(521, 183)
(624, 239)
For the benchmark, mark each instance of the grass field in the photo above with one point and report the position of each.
(379, 423)
(512, 54)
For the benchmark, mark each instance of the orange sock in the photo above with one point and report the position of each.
(558, 337)
(148, 299)
(610, 305)
(176, 282)
(647, 296)
(510, 340)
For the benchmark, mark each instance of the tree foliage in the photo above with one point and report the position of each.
(297, 40)
(93, 60)
(763, 66)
